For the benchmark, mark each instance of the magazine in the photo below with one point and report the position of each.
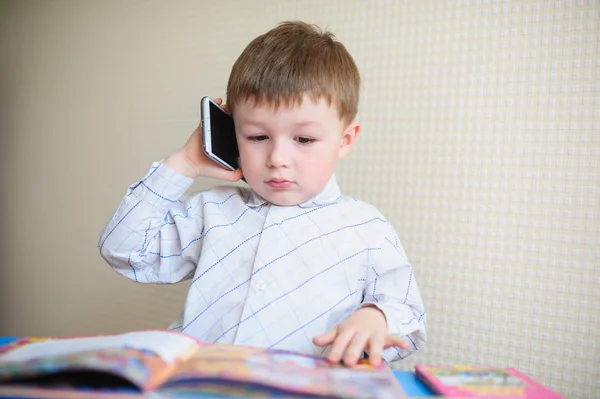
(455, 381)
(174, 363)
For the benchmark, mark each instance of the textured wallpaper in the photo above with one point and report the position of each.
(480, 142)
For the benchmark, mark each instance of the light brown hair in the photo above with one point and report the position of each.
(293, 59)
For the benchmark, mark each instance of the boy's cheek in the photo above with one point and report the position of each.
(247, 157)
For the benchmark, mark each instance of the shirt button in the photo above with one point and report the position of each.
(261, 285)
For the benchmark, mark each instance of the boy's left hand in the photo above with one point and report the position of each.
(365, 329)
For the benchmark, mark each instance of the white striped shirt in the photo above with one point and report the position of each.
(264, 275)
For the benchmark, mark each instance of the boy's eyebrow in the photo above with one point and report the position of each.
(307, 123)
(252, 124)
(298, 124)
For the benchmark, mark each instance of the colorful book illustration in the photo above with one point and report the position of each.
(171, 363)
(455, 381)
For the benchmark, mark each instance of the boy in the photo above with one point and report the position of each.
(289, 262)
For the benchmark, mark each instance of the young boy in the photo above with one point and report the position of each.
(287, 262)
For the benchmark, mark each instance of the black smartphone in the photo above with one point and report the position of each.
(218, 135)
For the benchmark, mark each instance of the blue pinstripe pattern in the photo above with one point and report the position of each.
(118, 223)
(397, 247)
(220, 202)
(143, 249)
(285, 254)
(375, 290)
(408, 286)
(399, 353)
(265, 265)
(295, 289)
(261, 274)
(412, 342)
(242, 243)
(418, 319)
(152, 171)
(326, 311)
(132, 269)
(202, 236)
(375, 299)
(157, 194)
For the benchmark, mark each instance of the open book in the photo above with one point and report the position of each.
(172, 363)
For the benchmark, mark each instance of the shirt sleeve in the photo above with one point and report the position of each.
(392, 288)
(154, 236)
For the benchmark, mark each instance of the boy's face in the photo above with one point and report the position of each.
(288, 154)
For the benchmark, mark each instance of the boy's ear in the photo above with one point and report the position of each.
(348, 138)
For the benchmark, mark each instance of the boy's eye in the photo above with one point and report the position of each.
(304, 140)
(260, 137)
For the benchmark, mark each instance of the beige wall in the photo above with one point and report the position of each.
(481, 142)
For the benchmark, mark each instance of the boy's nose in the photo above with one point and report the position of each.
(277, 157)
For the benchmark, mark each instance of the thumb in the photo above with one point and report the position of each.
(327, 338)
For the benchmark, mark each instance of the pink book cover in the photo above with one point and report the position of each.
(455, 381)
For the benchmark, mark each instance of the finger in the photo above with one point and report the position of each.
(356, 348)
(339, 346)
(225, 107)
(394, 340)
(375, 349)
(325, 339)
(228, 175)
(236, 175)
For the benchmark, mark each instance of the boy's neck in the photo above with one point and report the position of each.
(329, 194)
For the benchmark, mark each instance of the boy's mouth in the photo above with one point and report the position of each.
(279, 183)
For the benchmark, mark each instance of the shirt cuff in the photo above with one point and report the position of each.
(399, 330)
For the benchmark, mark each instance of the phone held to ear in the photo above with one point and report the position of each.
(218, 135)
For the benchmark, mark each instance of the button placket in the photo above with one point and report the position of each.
(257, 295)
(261, 285)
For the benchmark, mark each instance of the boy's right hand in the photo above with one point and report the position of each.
(191, 161)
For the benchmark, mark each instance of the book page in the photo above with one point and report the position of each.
(168, 346)
(138, 360)
(230, 369)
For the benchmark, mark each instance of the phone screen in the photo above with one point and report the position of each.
(222, 134)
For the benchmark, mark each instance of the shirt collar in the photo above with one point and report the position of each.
(329, 195)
